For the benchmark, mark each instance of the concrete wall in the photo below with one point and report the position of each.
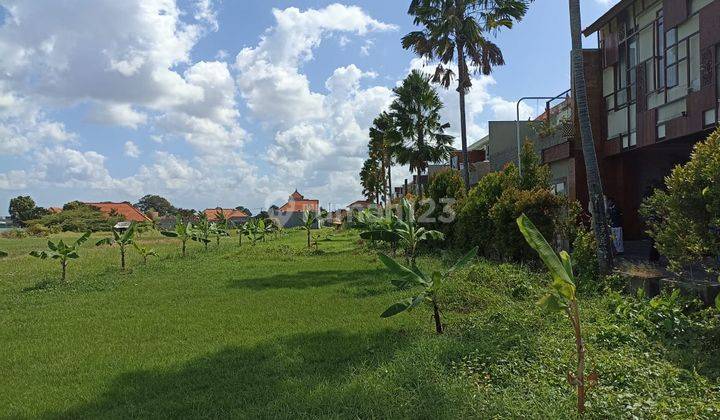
(503, 142)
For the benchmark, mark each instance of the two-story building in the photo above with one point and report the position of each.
(653, 86)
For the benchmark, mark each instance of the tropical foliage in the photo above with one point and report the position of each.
(384, 140)
(61, 251)
(412, 276)
(22, 208)
(487, 216)
(144, 251)
(410, 233)
(561, 297)
(311, 220)
(183, 231)
(202, 231)
(454, 31)
(371, 179)
(684, 218)
(416, 112)
(122, 240)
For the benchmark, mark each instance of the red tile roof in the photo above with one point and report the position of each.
(360, 204)
(229, 214)
(124, 209)
(55, 209)
(300, 206)
(297, 203)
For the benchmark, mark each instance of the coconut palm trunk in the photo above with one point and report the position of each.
(389, 178)
(595, 189)
(463, 126)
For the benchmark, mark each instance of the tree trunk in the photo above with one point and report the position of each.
(308, 237)
(419, 184)
(383, 169)
(183, 249)
(595, 189)
(390, 191)
(64, 266)
(436, 316)
(122, 258)
(463, 128)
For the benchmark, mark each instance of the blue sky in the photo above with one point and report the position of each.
(227, 102)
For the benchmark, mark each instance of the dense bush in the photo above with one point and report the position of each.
(584, 255)
(488, 214)
(684, 219)
(23, 208)
(77, 217)
(446, 185)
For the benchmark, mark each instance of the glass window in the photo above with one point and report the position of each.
(671, 36)
(661, 131)
(672, 76)
(671, 58)
(709, 118)
(660, 53)
(694, 62)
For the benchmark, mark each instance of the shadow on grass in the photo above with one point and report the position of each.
(305, 375)
(320, 278)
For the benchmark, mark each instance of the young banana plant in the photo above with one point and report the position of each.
(310, 220)
(413, 276)
(242, 230)
(183, 231)
(144, 252)
(201, 231)
(411, 234)
(217, 230)
(561, 297)
(122, 240)
(62, 252)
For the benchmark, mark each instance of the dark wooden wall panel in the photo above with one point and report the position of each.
(710, 25)
(675, 12)
(677, 127)
(557, 152)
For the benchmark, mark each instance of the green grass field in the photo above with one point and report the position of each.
(277, 331)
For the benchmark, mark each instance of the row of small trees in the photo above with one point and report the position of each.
(202, 231)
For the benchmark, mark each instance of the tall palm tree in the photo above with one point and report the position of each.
(370, 179)
(416, 110)
(383, 140)
(453, 27)
(595, 189)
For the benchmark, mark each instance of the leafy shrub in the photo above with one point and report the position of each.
(488, 215)
(38, 230)
(684, 220)
(444, 185)
(78, 217)
(474, 226)
(13, 234)
(669, 316)
(539, 204)
(584, 253)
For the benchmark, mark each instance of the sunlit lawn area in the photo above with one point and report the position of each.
(277, 331)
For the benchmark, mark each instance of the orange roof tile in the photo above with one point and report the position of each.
(124, 209)
(360, 203)
(229, 213)
(300, 205)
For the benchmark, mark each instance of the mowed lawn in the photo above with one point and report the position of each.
(267, 331)
(278, 331)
